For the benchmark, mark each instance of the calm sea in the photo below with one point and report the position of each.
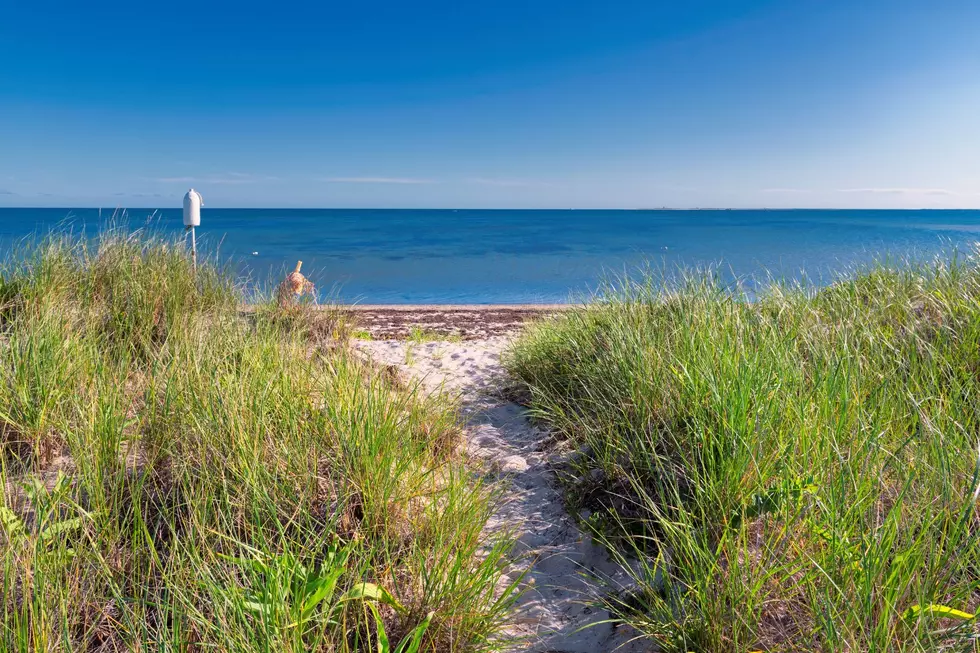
(507, 256)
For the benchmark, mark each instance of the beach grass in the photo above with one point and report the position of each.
(182, 474)
(419, 335)
(796, 472)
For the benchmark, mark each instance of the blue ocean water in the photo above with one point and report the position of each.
(515, 256)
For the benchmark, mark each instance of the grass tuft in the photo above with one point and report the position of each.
(797, 472)
(182, 473)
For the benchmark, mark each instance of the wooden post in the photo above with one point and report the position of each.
(193, 247)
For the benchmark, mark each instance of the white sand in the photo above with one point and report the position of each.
(554, 608)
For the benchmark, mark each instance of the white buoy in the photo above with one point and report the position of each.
(192, 217)
(192, 208)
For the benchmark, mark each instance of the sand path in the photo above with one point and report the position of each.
(502, 442)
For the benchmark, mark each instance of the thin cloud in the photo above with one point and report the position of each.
(377, 180)
(512, 183)
(226, 178)
(7, 192)
(901, 191)
(797, 191)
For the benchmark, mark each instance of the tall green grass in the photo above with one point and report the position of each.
(795, 473)
(182, 474)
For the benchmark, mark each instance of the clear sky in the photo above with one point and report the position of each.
(527, 103)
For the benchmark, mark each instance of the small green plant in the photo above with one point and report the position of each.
(51, 527)
(286, 591)
(419, 335)
(408, 644)
(289, 594)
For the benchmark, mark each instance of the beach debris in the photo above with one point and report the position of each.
(295, 286)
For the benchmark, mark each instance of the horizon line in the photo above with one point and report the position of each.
(490, 208)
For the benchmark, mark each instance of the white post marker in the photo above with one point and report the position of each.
(192, 217)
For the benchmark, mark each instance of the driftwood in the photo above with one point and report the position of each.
(294, 286)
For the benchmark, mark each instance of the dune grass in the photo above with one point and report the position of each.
(180, 474)
(795, 473)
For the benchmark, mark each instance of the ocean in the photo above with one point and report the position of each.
(527, 256)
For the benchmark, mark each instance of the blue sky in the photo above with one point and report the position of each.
(536, 103)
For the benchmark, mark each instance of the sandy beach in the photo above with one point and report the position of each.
(523, 327)
(562, 563)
